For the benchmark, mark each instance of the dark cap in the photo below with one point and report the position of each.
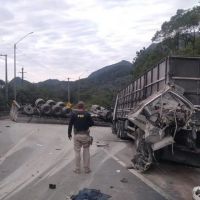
(81, 105)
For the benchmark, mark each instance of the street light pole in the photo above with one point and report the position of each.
(15, 47)
(79, 78)
(15, 91)
(6, 78)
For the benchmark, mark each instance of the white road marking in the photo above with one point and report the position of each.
(15, 148)
(142, 178)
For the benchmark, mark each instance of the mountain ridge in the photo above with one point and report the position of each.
(98, 88)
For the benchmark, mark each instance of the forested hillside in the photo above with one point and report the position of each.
(179, 36)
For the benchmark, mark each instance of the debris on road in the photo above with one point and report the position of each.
(102, 144)
(196, 193)
(40, 145)
(124, 180)
(118, 171)
(52, 186)
(100, 113)
(58, 149)
(130, 166)
(90, 194)
(7, 126)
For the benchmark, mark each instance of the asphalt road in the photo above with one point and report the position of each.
(32, 156)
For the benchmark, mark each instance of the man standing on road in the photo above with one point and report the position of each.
(81, 120)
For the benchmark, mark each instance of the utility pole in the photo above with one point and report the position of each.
(79, 78)
(68, 91)
(15, 47)
(79, 89)
(22, 72)
(6, 77)
(14, 85)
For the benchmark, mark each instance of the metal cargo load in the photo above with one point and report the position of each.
(161, 111)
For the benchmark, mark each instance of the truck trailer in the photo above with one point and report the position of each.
(160, 110)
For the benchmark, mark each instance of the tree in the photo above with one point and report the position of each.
(184, 21)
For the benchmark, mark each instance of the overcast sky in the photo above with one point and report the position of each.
(73, 38)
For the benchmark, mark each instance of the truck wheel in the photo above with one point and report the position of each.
(121, 130)
(118, 129)
(114, 130)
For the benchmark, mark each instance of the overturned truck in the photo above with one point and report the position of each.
(161, 111)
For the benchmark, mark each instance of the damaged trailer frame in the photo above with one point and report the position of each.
(160, 111)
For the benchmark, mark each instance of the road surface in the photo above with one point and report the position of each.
(32, 156)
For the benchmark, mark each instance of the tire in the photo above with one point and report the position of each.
(118, 129)
(114, 130)
(121, 130)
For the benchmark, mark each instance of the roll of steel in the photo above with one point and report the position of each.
(50, 102)
(57, 110)
(60, 103)
(46, 109)
(39, 102)
(28, 109)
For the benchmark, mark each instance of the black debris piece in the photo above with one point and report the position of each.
(124, 180)
(102, 145)
(90, 194)
(52, 186)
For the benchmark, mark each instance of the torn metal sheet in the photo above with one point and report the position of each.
(158, 119)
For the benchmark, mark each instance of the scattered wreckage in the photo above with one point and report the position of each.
(160, 111)
(40, 112)
(54, 112)
(100, 113)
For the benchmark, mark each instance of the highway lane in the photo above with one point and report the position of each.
(32, 156)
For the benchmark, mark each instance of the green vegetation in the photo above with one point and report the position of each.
(180, 36)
